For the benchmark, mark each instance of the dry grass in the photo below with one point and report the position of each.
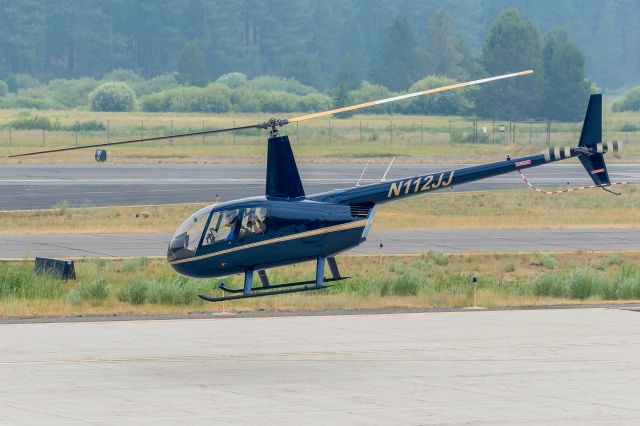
(414, 138)
(482, 210)
(512, 209)
(440, 280)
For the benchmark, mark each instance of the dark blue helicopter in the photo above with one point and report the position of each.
(287, 226)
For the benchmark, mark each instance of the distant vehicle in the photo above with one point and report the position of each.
(287, 226)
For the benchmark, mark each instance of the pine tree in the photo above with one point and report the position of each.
(352, 42)
(192, 66)
(398, 62)
(566, 87)
(443, 56)
(512, 45)
(342, 97)
(347, 73)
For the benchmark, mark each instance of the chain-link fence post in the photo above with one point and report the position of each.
(43, 136)
(493, 132)
(78, 125)
(171, 140)
(108, 132)
(391, 132)
(450, 134)
(10, 131)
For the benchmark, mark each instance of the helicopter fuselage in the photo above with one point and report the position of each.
(305, 228)
(292, 231)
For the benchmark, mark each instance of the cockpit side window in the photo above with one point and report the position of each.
(253, 222)
(221, 227)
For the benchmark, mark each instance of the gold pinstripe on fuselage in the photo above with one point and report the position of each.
(325, 230)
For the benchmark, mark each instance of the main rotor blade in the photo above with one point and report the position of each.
(407, 96)
(99, 145)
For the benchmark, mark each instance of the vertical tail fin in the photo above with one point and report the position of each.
(591, 138)
(283, 179)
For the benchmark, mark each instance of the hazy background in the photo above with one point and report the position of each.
(166, 54)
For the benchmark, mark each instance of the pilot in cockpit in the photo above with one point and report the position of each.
(230, 219)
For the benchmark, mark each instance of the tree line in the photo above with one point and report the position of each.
(304, 40)
(558, 89)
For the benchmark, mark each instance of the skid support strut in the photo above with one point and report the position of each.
(248, 280)
(320, 271)
(268, 289)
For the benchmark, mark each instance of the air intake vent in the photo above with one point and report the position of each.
(361, 210)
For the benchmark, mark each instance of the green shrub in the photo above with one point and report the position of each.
(543, 259)
(438, 258)
(627, 283)
(245, 100)
(22, 282)
(72, 93)
(4, 89)
(550, 285)
(93, 289)
(112, 96)
(233, 80)
(511, 265)
(406, 285)
(213, 98)
(274, 101)
(609, 261)
(457, 102)
(61, 207)
(314, 102)
(629, 102)
(372, 92)
(30, 101)
(87, 126)
(16, 82)
(135, 264)
(136, 293)
(397, 267)
(167, 290)
(33, 123)
(155, 102)
(583, 284)
(127, 76)
(156, 84)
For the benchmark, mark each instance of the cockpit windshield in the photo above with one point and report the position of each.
(185, 240)
(227, 225)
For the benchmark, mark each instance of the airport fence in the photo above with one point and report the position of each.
(388, 132)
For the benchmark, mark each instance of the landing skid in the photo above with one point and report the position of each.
(266, 289)
(271, 287)
(262, 293)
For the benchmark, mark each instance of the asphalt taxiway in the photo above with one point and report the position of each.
(561, 366)
(39, 186)
(388, 242)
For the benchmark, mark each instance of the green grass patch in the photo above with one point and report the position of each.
(21, 282)
(145, 285)
(543, 259)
